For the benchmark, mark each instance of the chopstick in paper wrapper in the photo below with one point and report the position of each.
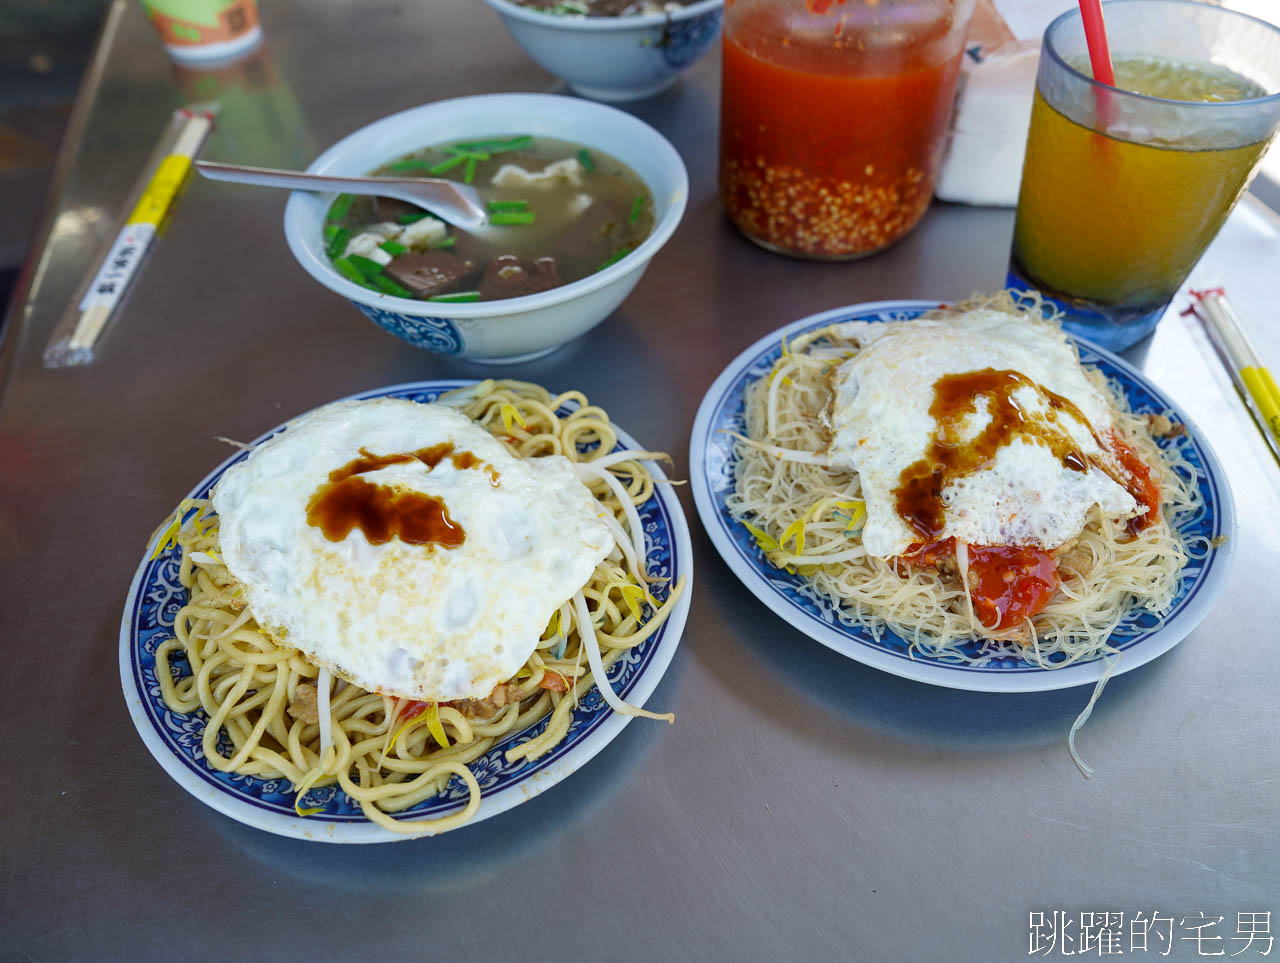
(1253, 380)
(77, 332)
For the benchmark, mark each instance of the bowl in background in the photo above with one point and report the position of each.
(514, 329)
(615, 58)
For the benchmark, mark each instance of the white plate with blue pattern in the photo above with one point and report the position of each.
(1140, 638)
(175, 738)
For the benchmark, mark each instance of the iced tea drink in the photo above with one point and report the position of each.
(1123, 188)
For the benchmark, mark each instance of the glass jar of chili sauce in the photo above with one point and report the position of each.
(834, 118)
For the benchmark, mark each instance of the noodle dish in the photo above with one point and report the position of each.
(390, 602)
(952, 495)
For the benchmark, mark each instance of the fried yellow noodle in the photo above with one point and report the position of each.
(388, 754)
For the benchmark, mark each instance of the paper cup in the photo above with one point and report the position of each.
(205, 29)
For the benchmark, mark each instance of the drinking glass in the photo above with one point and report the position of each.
(1122, 192)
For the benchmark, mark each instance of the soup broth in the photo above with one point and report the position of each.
(558, 212)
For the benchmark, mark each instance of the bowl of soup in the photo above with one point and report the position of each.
(580, 197)
(613, 50)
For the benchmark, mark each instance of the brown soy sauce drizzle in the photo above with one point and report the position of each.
(920, 486)
(382, 512)
(430, 457)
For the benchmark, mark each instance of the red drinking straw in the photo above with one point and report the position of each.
(1095, 35)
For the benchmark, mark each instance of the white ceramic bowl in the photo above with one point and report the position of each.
(515, 329)
(615, 58)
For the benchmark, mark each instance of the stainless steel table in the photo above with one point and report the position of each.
(802, 807)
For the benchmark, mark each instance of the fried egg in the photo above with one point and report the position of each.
(402, 547)
(881, 424)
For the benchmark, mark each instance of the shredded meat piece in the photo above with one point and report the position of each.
(503, 694)
(303, 707)
(1162, 426)
(1073, 558)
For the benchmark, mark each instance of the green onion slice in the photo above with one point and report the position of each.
(410, 165)
(584, 158)
(366, 266)
(512, 217)
(500, 207)
(470, 174)
(636, 208)
(384, 283)
(337, 240)
(460, 152)
(446, 165)
(393, 247)
(413, 217)
(496, 146)
(616, 258)
(341, 204)
(351, 272)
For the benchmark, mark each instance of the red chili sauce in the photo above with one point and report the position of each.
(832, 127)
(1007, 583)
(1140, 482)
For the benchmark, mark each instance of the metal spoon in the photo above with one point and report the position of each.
(459, 204)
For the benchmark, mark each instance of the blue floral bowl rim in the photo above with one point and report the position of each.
(604, 24)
